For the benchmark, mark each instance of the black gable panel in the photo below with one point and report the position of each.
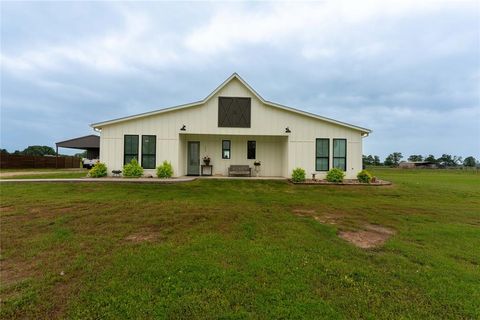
(234, 112)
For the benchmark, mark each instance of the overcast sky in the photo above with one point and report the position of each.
(410, 71)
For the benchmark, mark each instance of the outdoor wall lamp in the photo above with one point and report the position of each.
(183, 128)
(287, 130)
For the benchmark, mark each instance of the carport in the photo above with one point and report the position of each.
(90, 143)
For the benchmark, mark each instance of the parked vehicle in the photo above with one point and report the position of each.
(89, 163)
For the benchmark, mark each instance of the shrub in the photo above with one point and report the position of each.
(298, 175)
(98, 170)
(132, 169)
(335, 175)
(364, 176)
(165, 170)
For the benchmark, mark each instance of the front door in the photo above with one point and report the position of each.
(193, 158)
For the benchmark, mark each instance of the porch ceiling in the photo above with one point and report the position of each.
(233, 134)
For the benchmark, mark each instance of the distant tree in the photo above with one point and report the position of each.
(457, 160)
(393, 159)
(415, 157)
(470, 162)
(3, 151)
(371, 160)
(38, 151)
(446, 160)
(17, 152)
(430, 158)
(397, 156)
(365, 161)
(81, 154)
(388, 160)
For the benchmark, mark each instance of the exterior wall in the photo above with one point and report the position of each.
(202, 120)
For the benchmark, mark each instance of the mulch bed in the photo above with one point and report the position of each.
(346, 182)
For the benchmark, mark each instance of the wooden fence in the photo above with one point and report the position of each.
(10, 161)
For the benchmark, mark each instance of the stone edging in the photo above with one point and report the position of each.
(379, 183)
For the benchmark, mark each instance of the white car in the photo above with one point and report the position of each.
(89, 163)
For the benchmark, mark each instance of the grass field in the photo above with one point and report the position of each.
(42, 173)
(239, 249)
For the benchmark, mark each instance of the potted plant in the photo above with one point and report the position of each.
(206, 160)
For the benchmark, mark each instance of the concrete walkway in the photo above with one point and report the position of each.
(127, 180)
(241, 178)
(140, 180)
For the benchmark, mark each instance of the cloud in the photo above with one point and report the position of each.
(392, 66)
(130, 46)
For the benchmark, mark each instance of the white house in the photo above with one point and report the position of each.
(233, 125)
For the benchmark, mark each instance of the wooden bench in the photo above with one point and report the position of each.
(238, 170)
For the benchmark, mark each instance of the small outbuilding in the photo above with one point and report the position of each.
(417, 164)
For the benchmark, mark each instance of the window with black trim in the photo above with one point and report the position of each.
(322, 154)
(340, 154)
(251, 150)
(226, 144)
(149, 151)
(130, 148)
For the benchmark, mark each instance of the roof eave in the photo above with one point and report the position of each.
(99, 125)
(316, 116)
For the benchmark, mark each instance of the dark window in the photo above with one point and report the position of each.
(322, 152)
(234, 112)
(149, 147)
(130, 148)
(340, 154)
(226, 149)
(251, 149)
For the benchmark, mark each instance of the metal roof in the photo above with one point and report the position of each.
(87, 142)
(99, 125)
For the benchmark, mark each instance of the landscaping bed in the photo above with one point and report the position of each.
(346, 182)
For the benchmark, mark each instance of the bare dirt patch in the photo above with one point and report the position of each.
(372, 236)
(143, 236)
(15, 271)
(329, 218)
(7, 209)
(303, 212)
(322, 217)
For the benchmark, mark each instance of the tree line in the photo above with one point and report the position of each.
(446, 160)
(33, 151)
(39, 151)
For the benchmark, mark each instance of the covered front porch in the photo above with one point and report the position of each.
(227, 150)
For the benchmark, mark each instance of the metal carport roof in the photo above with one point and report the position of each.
(87, 142)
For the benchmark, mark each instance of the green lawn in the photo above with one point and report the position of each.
(42, 173)
(59, 175)
(235, 249)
